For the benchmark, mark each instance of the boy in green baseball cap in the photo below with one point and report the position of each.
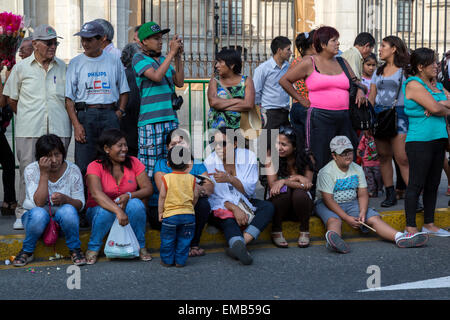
(156, 79)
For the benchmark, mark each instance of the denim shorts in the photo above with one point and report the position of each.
(402, 118)
(351, 208)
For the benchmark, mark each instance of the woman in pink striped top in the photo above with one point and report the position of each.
(328, 87)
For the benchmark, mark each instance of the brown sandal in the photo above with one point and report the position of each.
(278, 240)
(303, 240)
(196, 252)
(144, 255)
(91, 256)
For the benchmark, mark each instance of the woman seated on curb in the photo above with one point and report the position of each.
(289, 186)
(235, 174)
(196, 168)
(118, 187)
(54, 185)
(342, 195)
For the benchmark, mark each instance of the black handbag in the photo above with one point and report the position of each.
(385, 126)
(362, 118)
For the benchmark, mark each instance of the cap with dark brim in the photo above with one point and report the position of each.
(149, 29)
(91, 29)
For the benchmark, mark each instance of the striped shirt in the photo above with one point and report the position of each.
(156, 97)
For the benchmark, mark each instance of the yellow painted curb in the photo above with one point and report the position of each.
(10, 245)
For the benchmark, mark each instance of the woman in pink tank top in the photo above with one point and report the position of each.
(328, 100)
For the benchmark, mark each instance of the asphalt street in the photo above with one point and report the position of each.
(313, 273)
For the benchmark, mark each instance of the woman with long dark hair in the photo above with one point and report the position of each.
(427, 106)
(385, 84)
(289, 186)
(118, 187)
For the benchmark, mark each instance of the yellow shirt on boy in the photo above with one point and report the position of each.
(179, 194)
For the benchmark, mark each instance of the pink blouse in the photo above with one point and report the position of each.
(128, 182)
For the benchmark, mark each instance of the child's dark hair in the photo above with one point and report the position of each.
(46, 144)
(179, 158)
(232, 58)
(304, 41)
(371, 56)
(279, 42)
(421, 56)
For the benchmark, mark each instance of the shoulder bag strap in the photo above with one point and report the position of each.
(224, 88)
(398, 90)
(171, 85)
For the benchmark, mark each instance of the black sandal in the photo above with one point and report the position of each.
(77, 255)
(9, 209)
(23, 258)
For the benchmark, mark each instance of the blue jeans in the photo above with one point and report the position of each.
(177, 233)
(263, 216)
(297, 116)
(101, 221)
(36, 220)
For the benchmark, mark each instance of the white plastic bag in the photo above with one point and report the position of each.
(122, 242)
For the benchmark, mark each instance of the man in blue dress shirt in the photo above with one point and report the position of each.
(272, 98)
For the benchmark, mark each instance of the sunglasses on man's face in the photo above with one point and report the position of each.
(50, 43)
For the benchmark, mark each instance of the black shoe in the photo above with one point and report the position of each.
(391, 198)
(239, 252)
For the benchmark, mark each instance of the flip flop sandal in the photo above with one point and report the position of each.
(278, 240)
(91, 257)
(144, 255)
(303, 240)
(23, 258)
(78, 257)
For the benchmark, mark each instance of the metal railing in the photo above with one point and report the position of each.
(420, 23)
(208, 26)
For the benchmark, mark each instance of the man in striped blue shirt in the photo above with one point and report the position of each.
(156, 80)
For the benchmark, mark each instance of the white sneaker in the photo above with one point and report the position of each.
(439, 233)
(412, 240)
(18, 224)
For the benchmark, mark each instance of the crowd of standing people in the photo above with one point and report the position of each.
(133, 164)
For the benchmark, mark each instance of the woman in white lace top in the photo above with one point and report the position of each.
(53, 186)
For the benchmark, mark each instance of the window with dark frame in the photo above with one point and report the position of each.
(404, 15)
(231, 17)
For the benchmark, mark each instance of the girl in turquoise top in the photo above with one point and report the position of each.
(426, 106)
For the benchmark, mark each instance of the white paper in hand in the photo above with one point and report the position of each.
(122, 242)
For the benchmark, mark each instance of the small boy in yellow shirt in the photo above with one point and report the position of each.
(177, 198)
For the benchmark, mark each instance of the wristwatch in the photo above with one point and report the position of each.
(122, 112)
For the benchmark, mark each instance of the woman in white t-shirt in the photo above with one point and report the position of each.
(53, 186)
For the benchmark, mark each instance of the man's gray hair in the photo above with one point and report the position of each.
(128, 52)
(107, 26)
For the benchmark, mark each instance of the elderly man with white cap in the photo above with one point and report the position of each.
(96, 93)
(342, 195)
(35, 91)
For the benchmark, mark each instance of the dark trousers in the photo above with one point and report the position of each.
(296, 205)
(9, 170)
(94, 121)
(297, 116)
(202, 212)
(426, 160)
(324, 125)
(263, 215)
(275, 118)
